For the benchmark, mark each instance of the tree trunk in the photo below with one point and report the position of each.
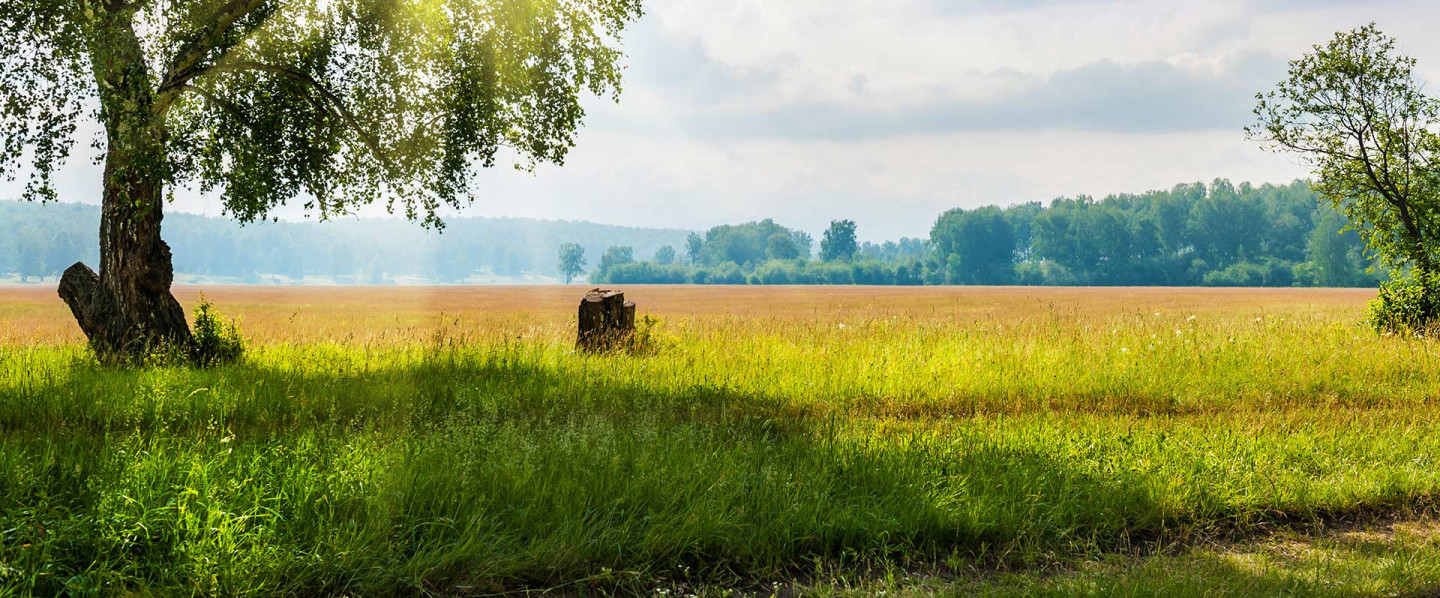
(127, 309)
(606, 321)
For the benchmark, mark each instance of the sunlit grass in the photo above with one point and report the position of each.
(980, 434)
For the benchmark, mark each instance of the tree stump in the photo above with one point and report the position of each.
(607, 321)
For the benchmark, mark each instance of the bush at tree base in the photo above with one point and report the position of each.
(1407, 304)
(215, 339)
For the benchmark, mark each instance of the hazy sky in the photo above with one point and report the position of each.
(891, 111)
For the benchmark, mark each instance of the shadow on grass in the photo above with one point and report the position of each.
(498, 474)
(249, 399)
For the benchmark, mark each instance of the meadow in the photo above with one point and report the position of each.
(819, 440)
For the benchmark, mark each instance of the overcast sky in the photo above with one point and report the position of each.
(891, 111)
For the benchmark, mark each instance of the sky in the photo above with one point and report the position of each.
(889, 112)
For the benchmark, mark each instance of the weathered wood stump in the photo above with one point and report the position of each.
(607, 321)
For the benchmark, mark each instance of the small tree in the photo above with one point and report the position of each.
(839, 241)
(1353, 111)
(30, 255)
(665, 255)
(803, 242)
(572, 261)
(693, 244)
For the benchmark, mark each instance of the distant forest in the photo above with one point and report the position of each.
(1193, 234)
(37, 242)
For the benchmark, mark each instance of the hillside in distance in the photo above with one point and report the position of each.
(37, 242)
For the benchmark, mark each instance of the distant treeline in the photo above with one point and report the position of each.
(1194, 234)
(40, 241)
(1216, 235)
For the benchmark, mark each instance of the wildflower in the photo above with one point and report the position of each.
(1191, 318)
(1179, 332)
(1157, 314)
(1124, 350)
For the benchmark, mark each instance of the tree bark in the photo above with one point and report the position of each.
(127, 309)
(606, 321)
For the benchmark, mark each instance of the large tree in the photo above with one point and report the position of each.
(978, 246)
(339, 103)
(1353, 110)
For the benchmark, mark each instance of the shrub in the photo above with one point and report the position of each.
(649, 339)
(215, 339)
(775, 272)
(1408, 304)
(1242, 274)
(643, 273)
(727, 273)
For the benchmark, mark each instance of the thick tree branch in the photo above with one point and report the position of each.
(189, 63)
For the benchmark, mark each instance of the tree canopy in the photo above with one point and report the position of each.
(838, 242)
(1283, 235)
(979, 245)
(338, 102)
(572, 261)
(1218, 234)
(746, 244)
(1353, 110)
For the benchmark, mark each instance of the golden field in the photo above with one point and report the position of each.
(800, 440)
(34, 314)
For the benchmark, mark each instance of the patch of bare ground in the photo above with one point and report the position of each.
(1391, 555)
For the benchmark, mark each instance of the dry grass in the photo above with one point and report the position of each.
(34, 314)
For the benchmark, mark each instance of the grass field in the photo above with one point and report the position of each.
(834, 441)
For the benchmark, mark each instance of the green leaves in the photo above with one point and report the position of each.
(41, 80)
(572, 261)
(839, 241)
(341, 103)
(1354, 112)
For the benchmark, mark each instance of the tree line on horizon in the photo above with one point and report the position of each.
(1191, 235)
(37, 242)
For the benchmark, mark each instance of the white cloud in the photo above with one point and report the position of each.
(893, 187)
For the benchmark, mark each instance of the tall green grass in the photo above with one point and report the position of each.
(742, 451)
